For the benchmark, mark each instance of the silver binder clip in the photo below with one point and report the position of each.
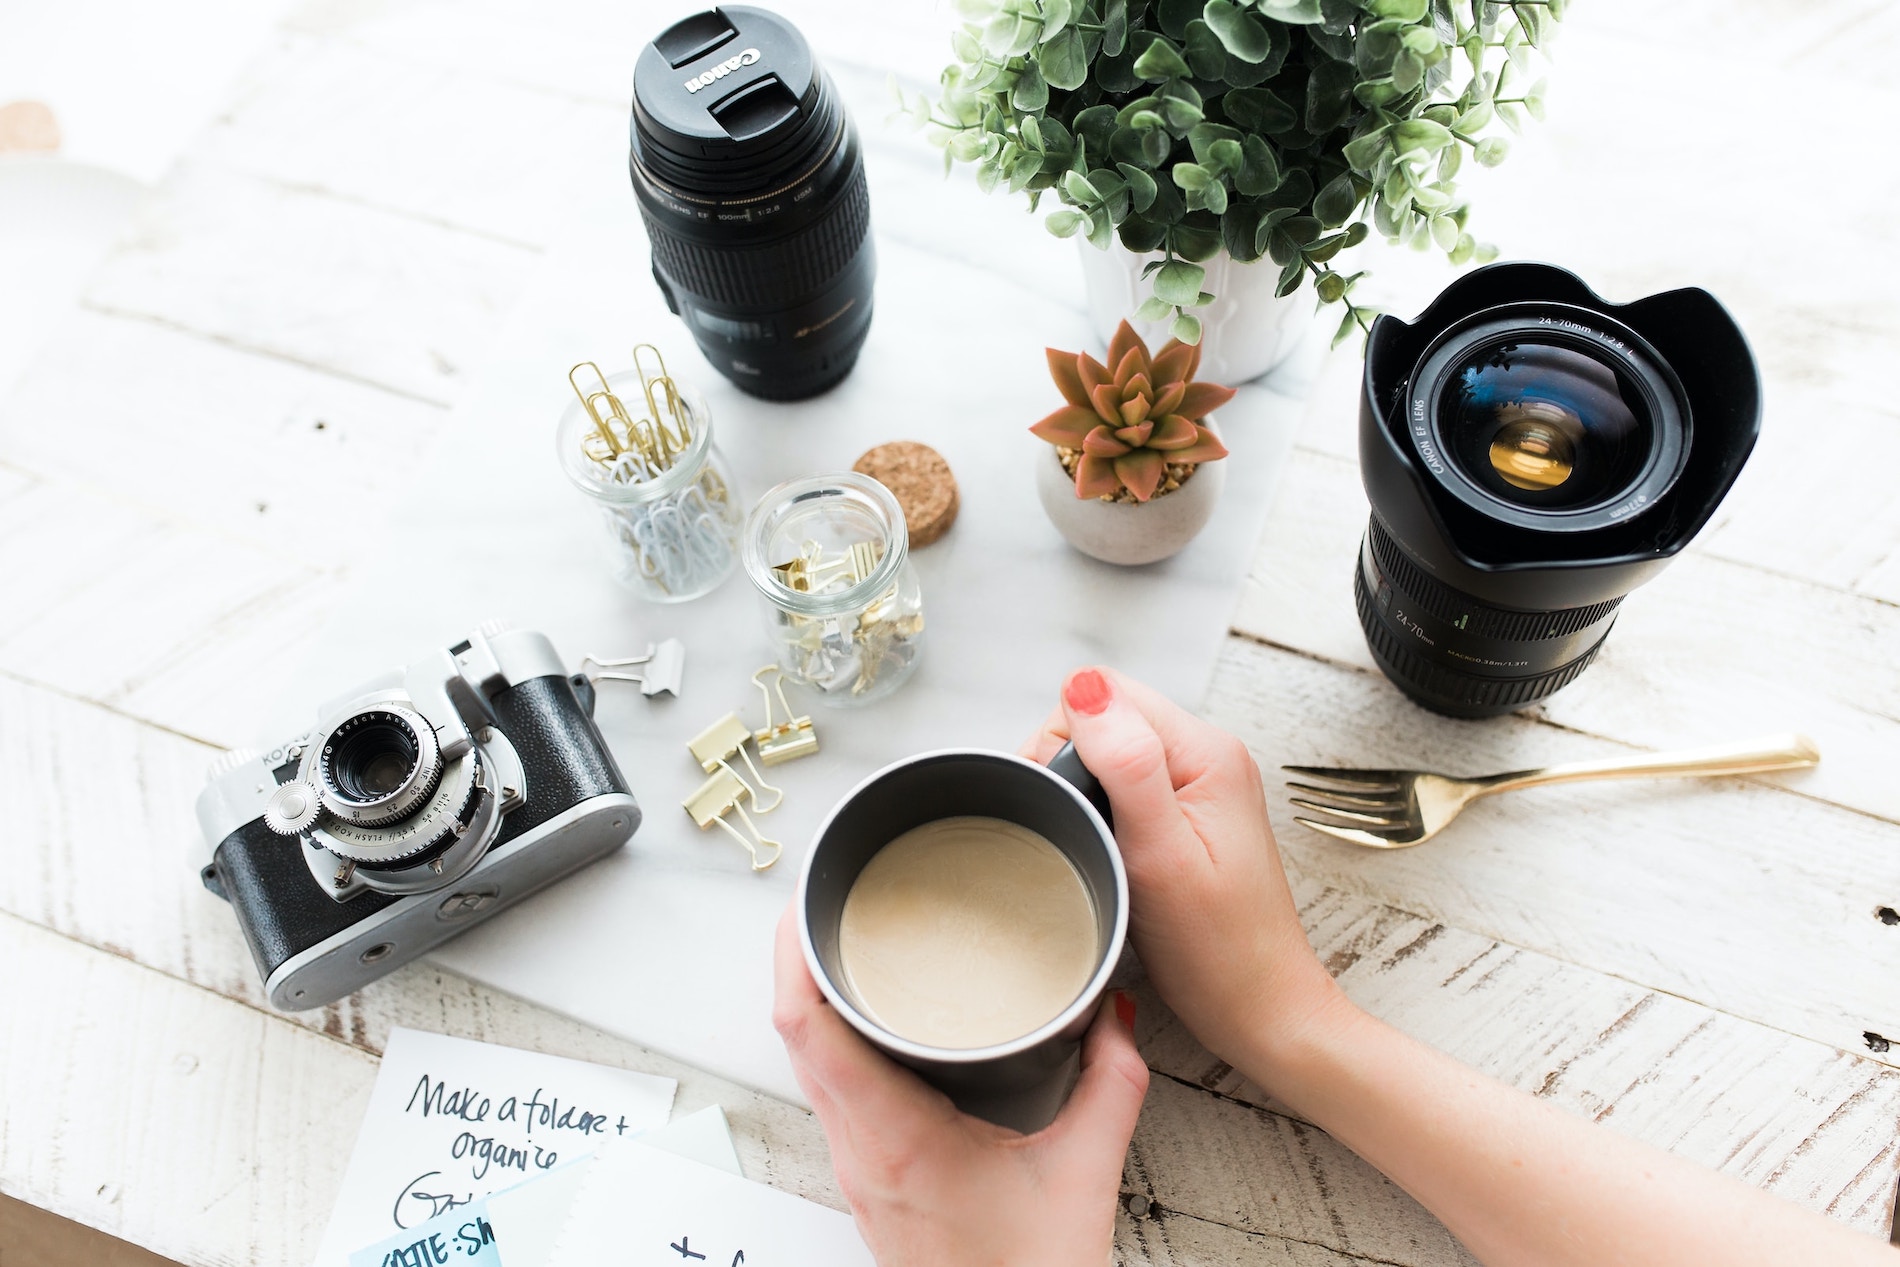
(665, 666)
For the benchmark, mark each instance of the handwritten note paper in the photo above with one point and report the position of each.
(451, 1121)
(464, 1236)
(640, 1207)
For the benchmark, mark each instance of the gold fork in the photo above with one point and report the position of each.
(1391, 809)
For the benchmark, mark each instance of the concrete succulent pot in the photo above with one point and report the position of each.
(1136, 469)
(1130, 532)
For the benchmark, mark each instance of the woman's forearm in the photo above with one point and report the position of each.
(1520, 1181)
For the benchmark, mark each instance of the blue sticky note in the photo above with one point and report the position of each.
(462, 1237)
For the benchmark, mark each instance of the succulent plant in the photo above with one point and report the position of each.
(1133, 424)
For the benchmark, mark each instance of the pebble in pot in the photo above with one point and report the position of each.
(1135, 473)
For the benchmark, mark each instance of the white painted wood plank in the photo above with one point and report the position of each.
(301, 463)
(441, 142)
(370, 294)
(143, 611)
(167, 1116)
(1734, 894)
(1709, 649)
(1169, 1238)
(1796, 1117)
(112, 863)
(216, 1133)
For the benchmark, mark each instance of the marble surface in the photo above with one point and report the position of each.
(669, 942)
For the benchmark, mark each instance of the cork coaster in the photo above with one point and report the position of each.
(921, 481)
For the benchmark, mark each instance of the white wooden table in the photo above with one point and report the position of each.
(193, 458)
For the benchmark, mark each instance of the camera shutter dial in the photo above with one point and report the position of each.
(293, 808)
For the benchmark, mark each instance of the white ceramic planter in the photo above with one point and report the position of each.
(1245, 332)
(1130, 533)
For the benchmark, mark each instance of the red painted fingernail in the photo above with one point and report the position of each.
(1087, 692)
(1125, 1009)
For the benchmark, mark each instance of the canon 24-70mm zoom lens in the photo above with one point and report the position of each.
(751, 183)
(1533, 453)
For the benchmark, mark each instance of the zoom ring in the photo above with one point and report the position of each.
(1418, 676)
(1431, 595)
(779, 275)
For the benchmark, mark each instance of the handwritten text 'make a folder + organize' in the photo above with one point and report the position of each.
(451, 1121)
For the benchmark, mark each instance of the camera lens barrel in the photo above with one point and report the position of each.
(378, 765)
(751, 183)
(1531, 454)
(1460, 656)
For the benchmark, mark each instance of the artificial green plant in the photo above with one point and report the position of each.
(1282, 128)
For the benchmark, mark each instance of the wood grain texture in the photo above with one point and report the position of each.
(313, 279)
(111, 864)
(448, 144)
(1709, 649)
(1691, 965)
(1673, 884)
(247, 447)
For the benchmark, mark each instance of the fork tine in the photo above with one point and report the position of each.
(1386, 780)
(1371, 840)
(1357, 816)
(1372, 799)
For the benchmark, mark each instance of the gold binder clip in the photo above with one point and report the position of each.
(714, 748)
(724, 793)
(781, 740)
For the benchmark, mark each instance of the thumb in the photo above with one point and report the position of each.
(1121, 748)
(1096, 1124)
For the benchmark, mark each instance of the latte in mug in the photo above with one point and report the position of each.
(967, 932)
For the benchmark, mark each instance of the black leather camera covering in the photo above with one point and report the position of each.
(279, 905)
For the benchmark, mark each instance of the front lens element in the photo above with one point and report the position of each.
(1532, 450)
(378, 765)
(372, 758)
(1545, 425)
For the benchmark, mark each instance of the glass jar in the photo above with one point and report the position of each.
(845, 614)
(673, 529)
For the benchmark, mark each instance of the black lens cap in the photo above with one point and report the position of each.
(723, 83)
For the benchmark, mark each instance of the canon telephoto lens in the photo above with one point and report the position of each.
(1532, 453)
(751, 183)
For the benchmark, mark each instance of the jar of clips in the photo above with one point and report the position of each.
(843, 608)
(640, 445)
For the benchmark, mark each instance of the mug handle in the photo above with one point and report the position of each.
(1069, 767)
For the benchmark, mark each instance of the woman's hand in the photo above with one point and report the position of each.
(930, 1185)
(1210, 912)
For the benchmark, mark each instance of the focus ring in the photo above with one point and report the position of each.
(1480, 620)
(1449, 689)
(780, 274)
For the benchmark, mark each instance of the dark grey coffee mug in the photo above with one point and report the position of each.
(1021, 1083)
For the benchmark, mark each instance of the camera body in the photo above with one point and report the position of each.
(420, 804)
(1531, 453)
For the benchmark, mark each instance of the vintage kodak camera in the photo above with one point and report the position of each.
(420, 804)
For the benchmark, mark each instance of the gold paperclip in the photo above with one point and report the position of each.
(787, 740)
(671, 444)
(724, 793)
(715, 746)
(593, 402)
